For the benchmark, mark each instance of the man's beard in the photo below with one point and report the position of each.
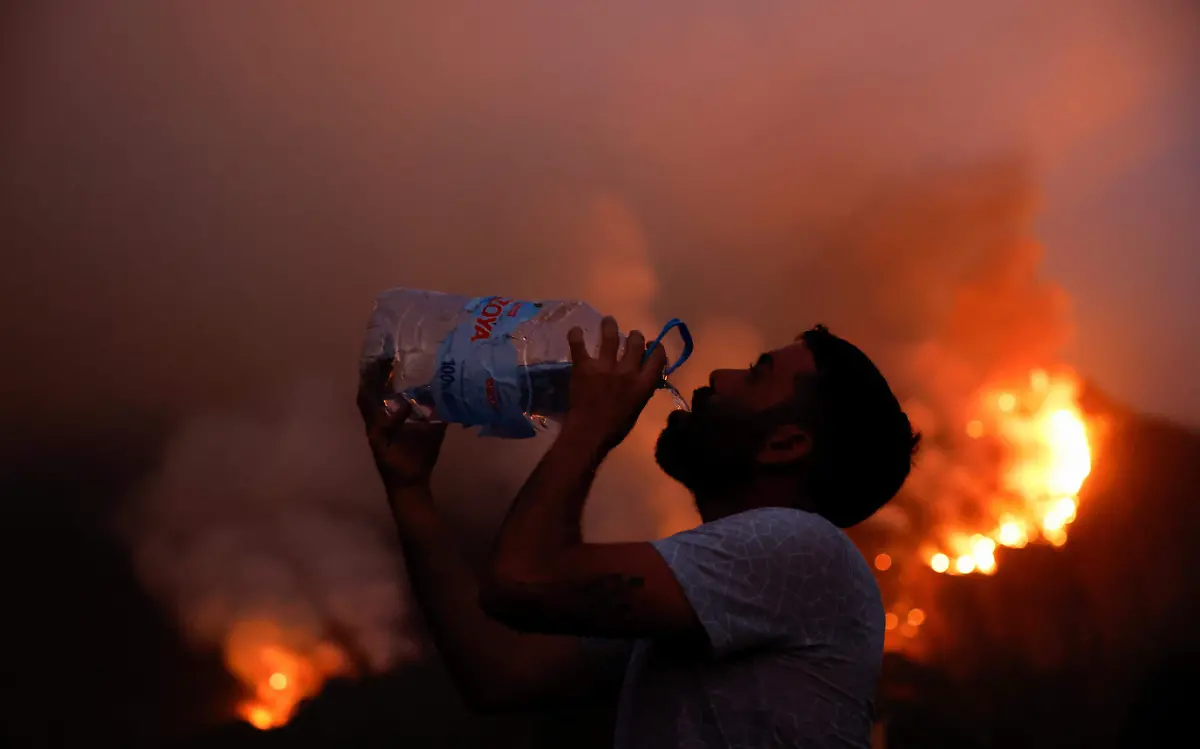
(712, 449)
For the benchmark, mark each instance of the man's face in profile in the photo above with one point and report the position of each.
(720, 443)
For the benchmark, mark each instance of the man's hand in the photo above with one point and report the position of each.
(404, 453)
(543, 577)
(608, 393)
(493, 666)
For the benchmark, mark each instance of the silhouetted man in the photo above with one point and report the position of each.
(761, 627)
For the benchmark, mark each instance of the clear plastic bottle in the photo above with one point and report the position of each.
(496, 362)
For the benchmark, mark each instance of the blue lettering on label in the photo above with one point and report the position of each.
(479, 379)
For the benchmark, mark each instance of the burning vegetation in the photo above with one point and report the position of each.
(280, 668)
(1039, 444)
(1046, 437)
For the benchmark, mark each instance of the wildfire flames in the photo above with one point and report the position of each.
(1046, 438)
(280, 669)
(1045, 441)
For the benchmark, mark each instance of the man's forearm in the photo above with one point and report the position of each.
(544, 521)
(545, 579)
(447, 594)
(494, 667)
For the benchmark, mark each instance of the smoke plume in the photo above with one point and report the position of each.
(274, 517)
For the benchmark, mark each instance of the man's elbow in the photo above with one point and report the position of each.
(511, 597)
(499, 687)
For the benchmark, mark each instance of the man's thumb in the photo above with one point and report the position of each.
(396, 411)
(655, 362)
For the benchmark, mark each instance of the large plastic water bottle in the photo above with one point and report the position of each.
(499, 363)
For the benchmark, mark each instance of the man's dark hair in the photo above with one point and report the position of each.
(863, 443)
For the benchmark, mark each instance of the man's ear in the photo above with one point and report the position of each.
(786, 444)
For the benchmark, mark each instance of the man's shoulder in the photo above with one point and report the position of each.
(808, 545)
(782, 523)
(783, 536)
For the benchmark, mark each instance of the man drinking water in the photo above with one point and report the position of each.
(761, 627)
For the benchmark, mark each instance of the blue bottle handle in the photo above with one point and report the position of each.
(684, 333)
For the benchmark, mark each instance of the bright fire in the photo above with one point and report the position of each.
(1046, 444)
(1046, 437)
(280, 668)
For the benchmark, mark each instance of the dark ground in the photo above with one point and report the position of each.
(1089, 646)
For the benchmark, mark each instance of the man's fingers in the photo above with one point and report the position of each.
(579, 352)
(635, 350)
(380, 413)
(610, 340)
(379, 422)
(397, 410)
(374, 375)
(431, 435)
(656, 362)
(380, 372)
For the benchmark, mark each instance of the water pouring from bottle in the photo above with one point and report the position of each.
(681, 403)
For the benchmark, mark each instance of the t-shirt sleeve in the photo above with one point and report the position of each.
(761, 577)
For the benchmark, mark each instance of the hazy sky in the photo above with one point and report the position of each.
(191, 190)
(1128, 251)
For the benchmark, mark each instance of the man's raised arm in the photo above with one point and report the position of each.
(543, 578)
(494, 667)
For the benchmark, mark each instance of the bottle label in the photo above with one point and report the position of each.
(479, 381)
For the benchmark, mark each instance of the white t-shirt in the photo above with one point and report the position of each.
(795, 621)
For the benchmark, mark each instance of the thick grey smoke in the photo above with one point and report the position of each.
(275, 517)
(209, 197)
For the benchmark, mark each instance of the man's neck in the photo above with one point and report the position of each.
(766, 491)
